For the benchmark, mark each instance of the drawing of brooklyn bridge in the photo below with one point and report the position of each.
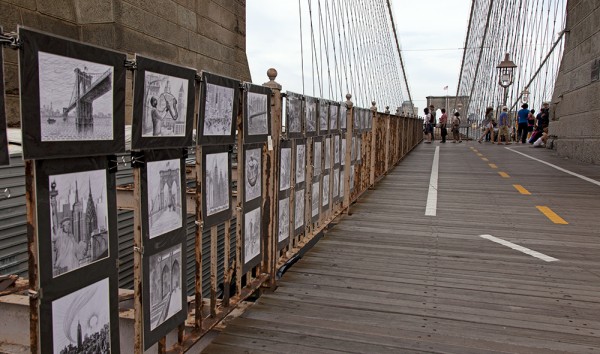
(78, 220)
(76, 99)
(165, 285)
(217, 182)
(164, 196)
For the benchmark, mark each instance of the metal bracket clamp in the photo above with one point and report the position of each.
(198, 78)
(130, 65)
(34, 295)
(11, 40)
(139, 250)
(200, 224)
(5, 194)
(116, 161)
(138, 159)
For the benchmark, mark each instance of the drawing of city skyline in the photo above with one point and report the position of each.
(293, 110)
(300, 163)
(257, 114)
(216, 184)
(285, 169)
(251, 235)
(299, 209)
(218, 111)
(284, 219)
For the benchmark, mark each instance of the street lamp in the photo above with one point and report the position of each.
(525, 95)
(506, 70)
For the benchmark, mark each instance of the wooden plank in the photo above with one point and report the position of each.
(138, 327)
(198, 303)
(214, 242)
(32, 250)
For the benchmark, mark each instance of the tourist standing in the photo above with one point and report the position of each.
(443, 122)
(530, 123)
(503, 126)
(522, 123)
(455, 127)
(433, 121)
(428, 125)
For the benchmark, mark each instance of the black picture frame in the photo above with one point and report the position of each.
(325, 191)
(357, 120)
(285, 166)
(150, 78)
(46, 135)
(299, 154)
(335, 184)
(252, 174)
(252, 222)
(221, 214)
(299, 210)
(256, 131)
(323, 121)
(334, 117)
(80, 298)
(284, 214)
(294, 110)
(311, 115)
(317, 157)
(163, 224)
(218, 89)
(170, 258)
(343, 117)
(99, 238)
(4, 154)
(315, 200)
(328, 158)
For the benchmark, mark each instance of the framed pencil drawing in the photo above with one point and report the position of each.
(163, 105)
(294, 115)
(219, 100)
(216, 188)
(71, 93)
(257, 113)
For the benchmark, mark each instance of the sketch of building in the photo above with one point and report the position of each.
(285, 169)
(293, 111)
(300, 163)
(333, 116)
(343, 116)
(299, 209)
(253, 174)
(323, 116)
(310, 114)
(327, 153)
(325, 198)
(251, 235)
(216, 185)
(218, 110)
(165, 105)
(343, 152)
(81, 320)
(342, 184)
(165, 278)
(76, 99)
(317, 158)
(336, 149)
(315, 193)
(257, 114)
(358, 149)
(284, 219)
(164, 196)
(78, 220)
(336, 183)
(352, 177)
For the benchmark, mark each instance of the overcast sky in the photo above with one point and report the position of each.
(432, 34)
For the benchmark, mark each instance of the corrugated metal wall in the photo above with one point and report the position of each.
(13, 232)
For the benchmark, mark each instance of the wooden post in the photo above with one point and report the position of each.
(198, 300)
(373, 142)
(239, 209)
(347, 158)
(308, 187)
(387, 143)
(138, 346)
(273, 163)
(33, 256)
(214, 241)
(227, 273)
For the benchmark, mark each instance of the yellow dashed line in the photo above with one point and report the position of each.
(551, 215)
(492, 165)
(521, 189)
(479, 154)
(504, 174)
(485, 159)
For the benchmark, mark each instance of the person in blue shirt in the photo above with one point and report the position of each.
(503, 126)
(522, 123)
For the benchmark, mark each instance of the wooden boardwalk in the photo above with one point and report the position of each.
(388, 279)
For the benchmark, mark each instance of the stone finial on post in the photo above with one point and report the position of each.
(349, 103)
(387, 109)
(272, 84)
(373, 106)
(398, 111)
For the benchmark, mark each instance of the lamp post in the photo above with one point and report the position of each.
(506, 70)
(525, 95)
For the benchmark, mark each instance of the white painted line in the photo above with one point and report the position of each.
(520, 248)
(431, 209)
(558, 168)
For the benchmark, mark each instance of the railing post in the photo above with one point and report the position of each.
(347, 158)
(373, 144)
(273, 186)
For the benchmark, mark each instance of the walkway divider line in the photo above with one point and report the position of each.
(504, 174)
(558, 168)
(431, 208)
(521, 189)
(485, 159)
(516, 247)
(493, 165)
(551, 215)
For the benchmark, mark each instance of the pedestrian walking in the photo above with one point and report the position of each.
(503, 126)
(530, 123)
(434, 121)
(488, 123)
(455, 127)
(522, 123)
(443, 123)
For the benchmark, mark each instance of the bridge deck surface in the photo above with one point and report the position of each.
(389, 279)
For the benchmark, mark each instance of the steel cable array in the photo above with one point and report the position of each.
(353, 49)
(531, 31)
